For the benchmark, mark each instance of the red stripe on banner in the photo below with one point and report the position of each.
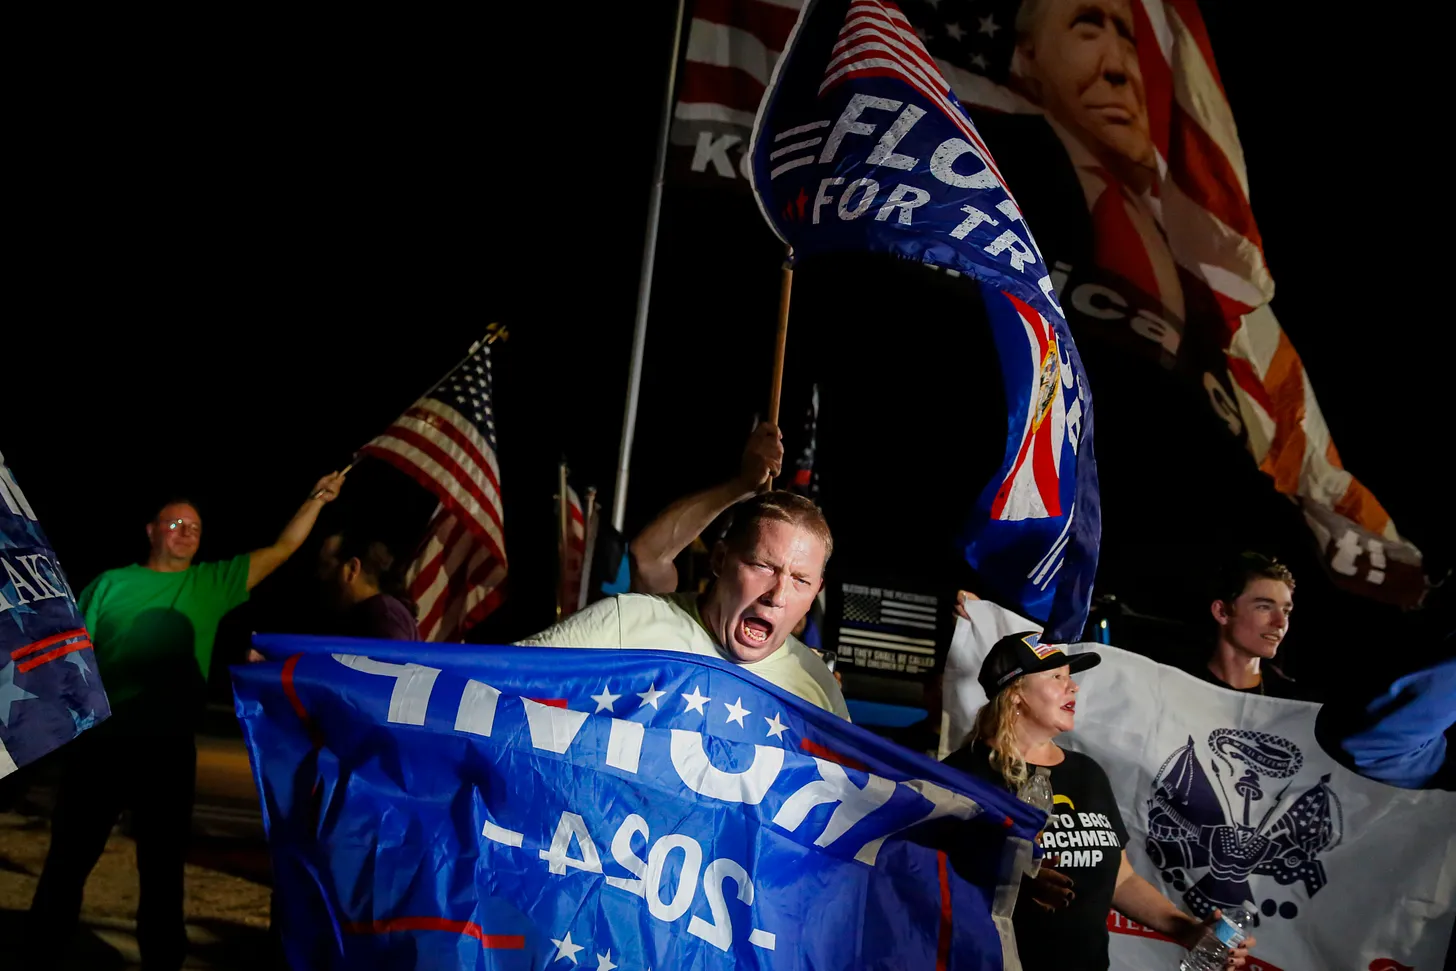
(1157, 79)
(483, 609)
(942, 950)
(37, 661)
(292, 692)
(1044, 467)
(451, 431)
(1245, 377)
(1199, 167)
(437, 489)
(552, 702)
(829, 755)
(426, 576)
(458, 584)
(768, 22)
(46, 642)
(452, 466)
(1187, 11)
(492, 942)
(719, 85)
(1118, 924)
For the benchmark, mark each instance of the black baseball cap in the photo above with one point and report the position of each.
(1024, 653)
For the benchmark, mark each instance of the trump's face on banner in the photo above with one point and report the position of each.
(764, 588)
(1078, 60)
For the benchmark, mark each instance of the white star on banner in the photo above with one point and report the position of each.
(75, 658)
(979, 61)
(736, 711)
(956, 31)
(605, 700)
(776, 727)
(10, 692)
(566, 949)
(604, 961)
(988, 25)
(696, 701)
(650, 696)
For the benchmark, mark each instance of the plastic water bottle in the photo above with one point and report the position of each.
(1037, 789)
(1212, 952)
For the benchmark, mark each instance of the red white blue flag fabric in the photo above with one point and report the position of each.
(860, 144)
(477, 807)
(50, 690)
(446, 442)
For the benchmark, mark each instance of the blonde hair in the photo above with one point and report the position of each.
(995, 726)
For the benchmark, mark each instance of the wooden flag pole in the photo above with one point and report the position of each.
(786, 286)
(343, 471)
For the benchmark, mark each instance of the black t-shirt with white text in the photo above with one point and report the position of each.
(1083, 839)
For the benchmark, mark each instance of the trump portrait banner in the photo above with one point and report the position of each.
(860, 145)
(522, 807)
(50, 691)
(1228, 799)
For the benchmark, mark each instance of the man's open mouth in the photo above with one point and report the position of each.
(1070, 706)
(755, 630)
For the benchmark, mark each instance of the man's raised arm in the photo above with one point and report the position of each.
(657, 546)
(262, 562)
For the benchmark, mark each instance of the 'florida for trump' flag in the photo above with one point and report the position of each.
(860, 145)
(513, 808)
(50, 690)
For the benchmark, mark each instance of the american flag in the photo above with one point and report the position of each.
(574, 554)
(887, 630)
(446, 442)
(732, 46)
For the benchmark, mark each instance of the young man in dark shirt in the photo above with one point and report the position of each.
(1252, 606)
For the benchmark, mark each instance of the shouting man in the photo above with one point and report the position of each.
(768, 568)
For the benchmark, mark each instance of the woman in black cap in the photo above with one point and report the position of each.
(1061, 914)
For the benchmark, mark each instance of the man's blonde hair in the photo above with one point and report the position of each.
(779, 507)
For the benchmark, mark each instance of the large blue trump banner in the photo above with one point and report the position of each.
(859, 144)
(512, 808)
(49, 689)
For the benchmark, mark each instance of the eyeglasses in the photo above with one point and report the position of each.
(184, 526)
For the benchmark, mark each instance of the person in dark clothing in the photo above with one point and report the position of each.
(1061, 914)
(1252, 606)
(357, 572)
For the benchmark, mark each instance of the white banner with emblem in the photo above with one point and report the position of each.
(1227, 798)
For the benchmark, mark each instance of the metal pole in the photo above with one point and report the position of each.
(563, 541)
(644, 284)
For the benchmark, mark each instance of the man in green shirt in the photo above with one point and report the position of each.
(153, 627)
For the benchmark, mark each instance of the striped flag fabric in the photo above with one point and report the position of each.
(574, 554)
(446, 442)
(887, 630)
(1196, 210)
(732, 46)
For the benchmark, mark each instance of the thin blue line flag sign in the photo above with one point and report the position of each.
(484, 807)
(860, 145)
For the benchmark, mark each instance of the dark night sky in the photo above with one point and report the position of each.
(243, 246)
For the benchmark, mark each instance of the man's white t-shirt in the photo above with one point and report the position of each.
(672, 623)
